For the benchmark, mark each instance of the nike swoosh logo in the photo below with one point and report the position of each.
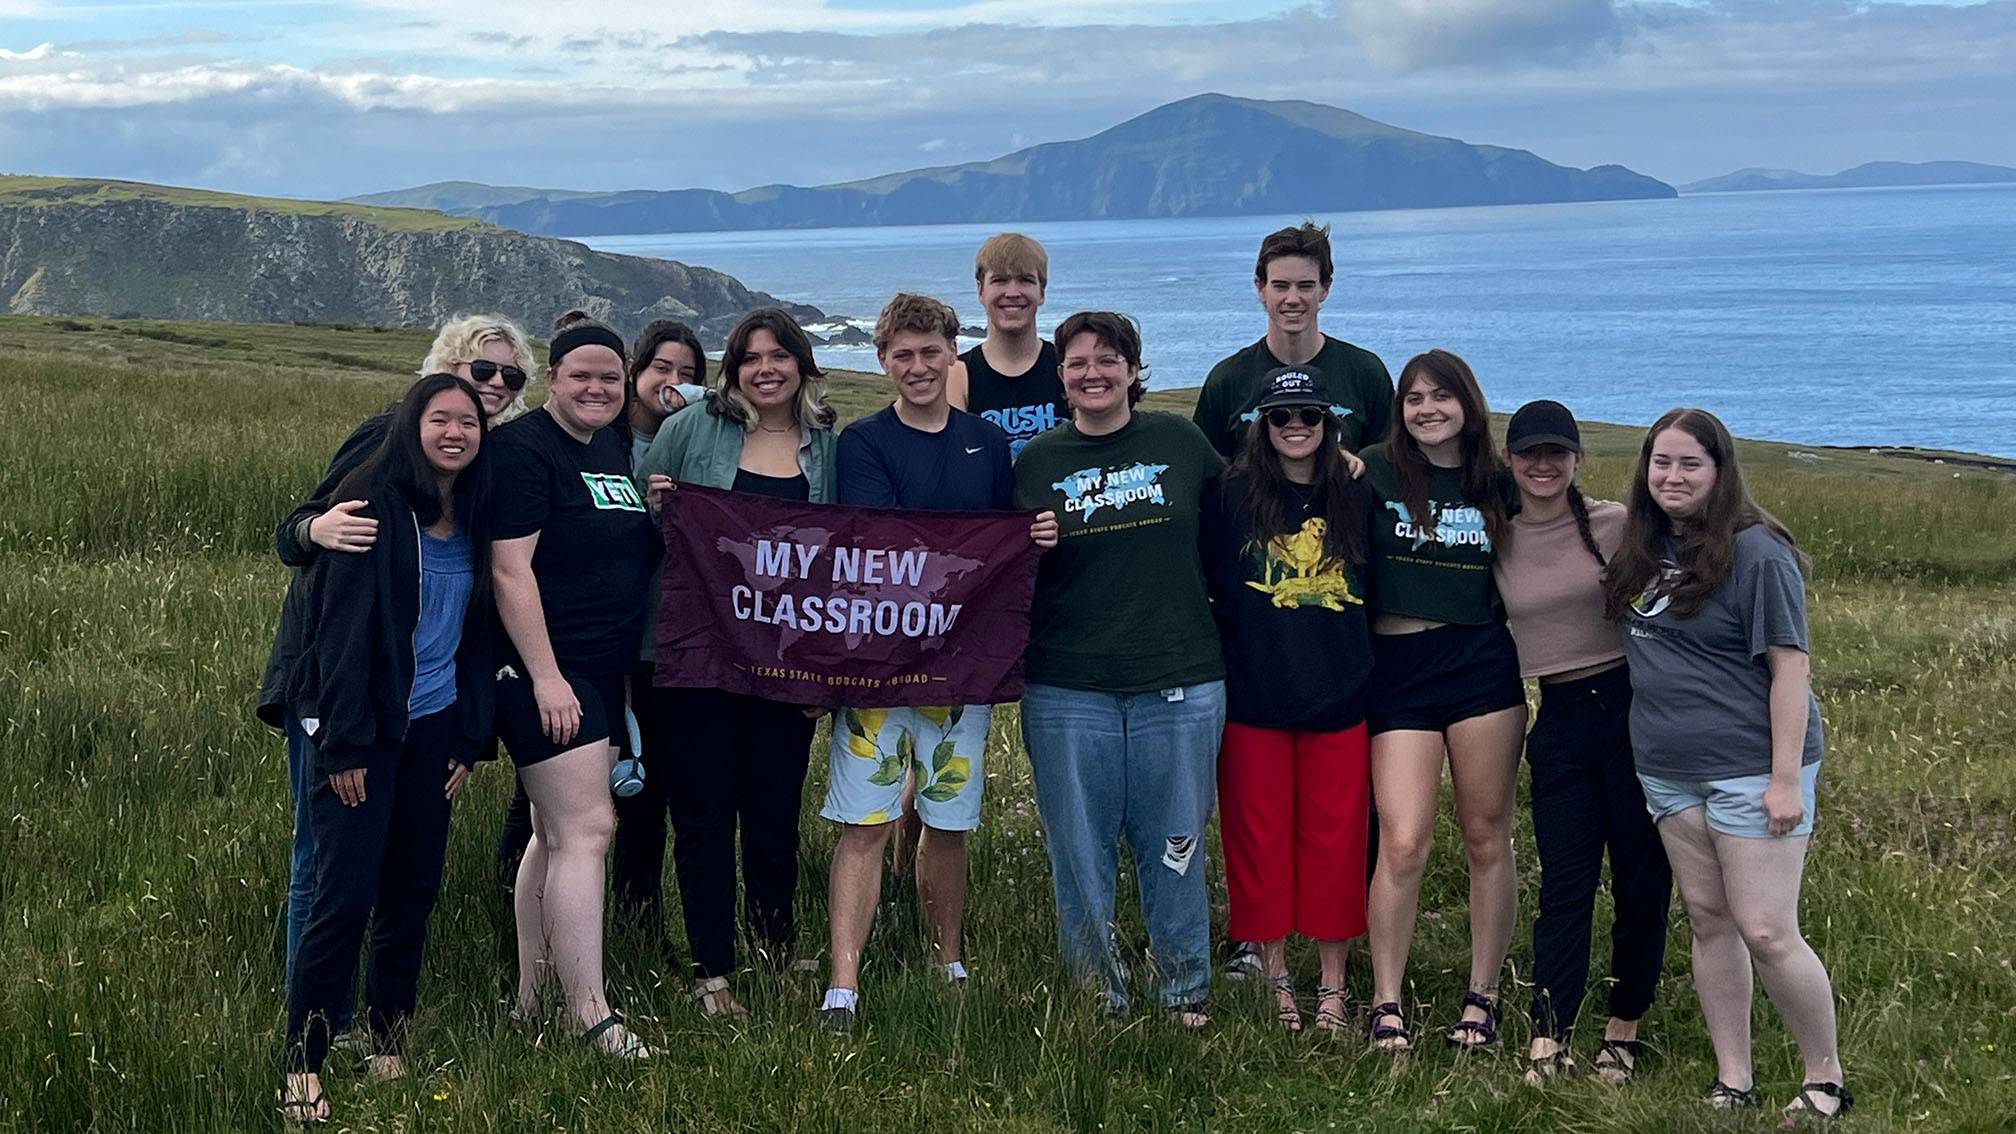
(975, 449)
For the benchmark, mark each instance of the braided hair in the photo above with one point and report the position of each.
(1579, 507)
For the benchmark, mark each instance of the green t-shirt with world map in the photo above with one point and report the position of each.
(1440, 573)
(1121, 604)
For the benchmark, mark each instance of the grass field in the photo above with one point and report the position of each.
(144, 821)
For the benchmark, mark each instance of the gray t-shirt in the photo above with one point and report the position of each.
(1700, 686)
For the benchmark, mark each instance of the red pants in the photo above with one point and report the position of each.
(1293, 812)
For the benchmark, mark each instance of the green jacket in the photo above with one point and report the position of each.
(703, 447)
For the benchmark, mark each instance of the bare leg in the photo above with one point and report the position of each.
(1721, 963)
(574, 817)
(1483, 764)
(1761, 878)
(941, 890)
(909, 831)
(1333, 956)
(528, 897)
(854, 886)
(1406, 775)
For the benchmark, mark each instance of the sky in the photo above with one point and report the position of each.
(330, 98)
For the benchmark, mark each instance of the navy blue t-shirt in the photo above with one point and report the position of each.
(884, 463)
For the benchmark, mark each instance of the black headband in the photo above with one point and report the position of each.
(579, 335)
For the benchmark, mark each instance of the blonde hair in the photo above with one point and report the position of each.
(1011, 254)
(463, 338)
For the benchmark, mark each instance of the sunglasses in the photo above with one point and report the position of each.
(1280, 416)
(482, 370)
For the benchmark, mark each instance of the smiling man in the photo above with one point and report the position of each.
(919, 452)
(1011, 377)
(1292, 279)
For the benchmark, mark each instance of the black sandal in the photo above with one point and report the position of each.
(1327, 1018)
(1390, 1037)
(1475, 1033)
(1544, 1069)
(1286, 1012)
(1616, 1061)
(1802, 1103)
(1722, 1096)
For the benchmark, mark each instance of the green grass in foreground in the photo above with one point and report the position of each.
(144, 822)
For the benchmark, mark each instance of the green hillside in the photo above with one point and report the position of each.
(22, 190)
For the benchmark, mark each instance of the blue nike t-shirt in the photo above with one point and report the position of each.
(883, 463)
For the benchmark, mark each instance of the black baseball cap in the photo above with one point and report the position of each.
(1291, 386)
(1543, 423)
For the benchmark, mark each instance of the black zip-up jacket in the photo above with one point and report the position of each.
(354, 679)
(291, 542)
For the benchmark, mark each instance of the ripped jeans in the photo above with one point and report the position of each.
(1141, 766)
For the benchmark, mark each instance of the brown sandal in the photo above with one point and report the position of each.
(1286, 1012)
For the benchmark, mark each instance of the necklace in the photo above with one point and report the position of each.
(778, 429)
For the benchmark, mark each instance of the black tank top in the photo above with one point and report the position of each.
(782, 487)
(1024, 404)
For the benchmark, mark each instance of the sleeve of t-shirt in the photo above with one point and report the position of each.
(1777, 596)
(523, 510)
(862, 472)
(1209, 416)
(1030, 478)
(1378, 395)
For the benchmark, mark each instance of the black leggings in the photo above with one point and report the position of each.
(637, 865)
(378, 862)
(1586, 797)
(737, 758)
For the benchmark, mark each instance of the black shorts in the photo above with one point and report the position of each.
(601, 697)
(1430, 680)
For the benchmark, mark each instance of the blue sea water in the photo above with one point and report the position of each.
(1846, 317)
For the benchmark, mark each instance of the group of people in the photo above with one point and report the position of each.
(1291, 607)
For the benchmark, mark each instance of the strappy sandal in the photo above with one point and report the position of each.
(1616, 1061)
(624, 1045)
(1390, 1037)
(1328, 1018)
(300, 1111)
(1475, 1033)
(1190, 1017)
(716, 999)
(1544, 1069)
(1722, 1096)
(1802, 1104)
(1286, 1012)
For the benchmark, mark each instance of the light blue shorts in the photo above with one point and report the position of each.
(1735, 805)
(938, 748)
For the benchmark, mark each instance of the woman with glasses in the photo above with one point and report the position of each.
(491, 354)
(1126, 694)
(1286, 546)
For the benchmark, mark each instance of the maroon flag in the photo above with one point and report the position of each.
(827, 604)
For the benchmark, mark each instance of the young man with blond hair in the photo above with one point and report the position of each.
(1011, 378)
(918, 452)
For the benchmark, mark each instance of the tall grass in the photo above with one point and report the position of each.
(144, 822)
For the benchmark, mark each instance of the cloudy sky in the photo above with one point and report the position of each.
(323, 98)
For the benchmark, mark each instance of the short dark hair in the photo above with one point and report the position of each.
(1305, 239)
(1113, 329)
(909, 311)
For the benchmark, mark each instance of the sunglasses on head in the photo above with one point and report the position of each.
(482, 370)
(1280, 416)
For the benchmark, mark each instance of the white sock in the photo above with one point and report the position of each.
(955, 970)
(841, 998)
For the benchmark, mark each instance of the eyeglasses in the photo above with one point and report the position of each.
(1105, 363)
(482, 370)
(1280, 416)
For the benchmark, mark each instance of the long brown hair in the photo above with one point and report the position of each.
(1335, 497)
(1484, 475)
(1705, 551)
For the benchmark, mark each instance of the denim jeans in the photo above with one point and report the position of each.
(1142, 766)
(301, 778)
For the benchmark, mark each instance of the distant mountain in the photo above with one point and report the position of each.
(1211, 155)
(461, 197)
(80, 247)
(1867, 175)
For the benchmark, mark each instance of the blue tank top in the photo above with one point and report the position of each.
(446, 578)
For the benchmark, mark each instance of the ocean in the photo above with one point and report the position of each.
(1835, 317)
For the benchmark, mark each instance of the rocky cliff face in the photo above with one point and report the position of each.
(252, 263)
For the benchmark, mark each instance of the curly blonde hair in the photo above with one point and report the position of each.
(463, 338)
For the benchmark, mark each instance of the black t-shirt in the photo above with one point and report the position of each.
(1353, 378)
(1298, 645)
(1024, 404)
(883, 463)
(1441, 573)
(782, 487)
(597, 545)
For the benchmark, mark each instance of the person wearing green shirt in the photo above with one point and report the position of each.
(1445, 678)
(1125, 696)
(1292, 279)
